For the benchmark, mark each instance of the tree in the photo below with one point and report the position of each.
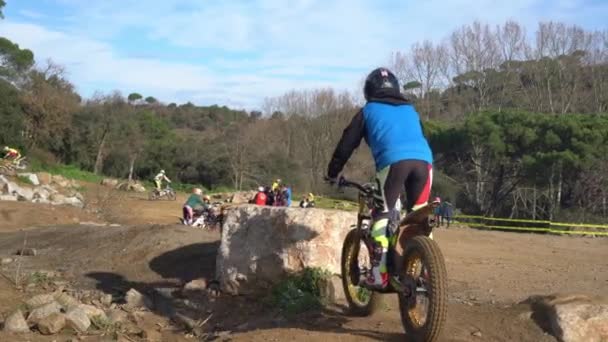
(2, 4)
(14, 61)
(48, 102)
(151, 100)
(134, 97)
(11, 116)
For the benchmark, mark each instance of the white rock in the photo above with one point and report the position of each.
(260, 244)
(196, 285)
(93, 312)
(40, 300)
(15, 323)
(32, 177)
(573, 322)
(74, 201)
(78, 319)
(9, 198)
(51, 324)
(43, 311)
(67, 302)
(135, 299)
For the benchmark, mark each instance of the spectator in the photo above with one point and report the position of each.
(276, 186)
(447, 211)
(260, 198)
(279, 198)
(311, 199)
(269, 196)
(287, 195)
(304, 203)
(437, 216)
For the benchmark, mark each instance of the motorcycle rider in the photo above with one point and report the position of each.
(194, 201)
(11, 154)
(392, 128)
(159, 178)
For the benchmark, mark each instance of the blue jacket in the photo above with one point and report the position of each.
(392, 129)
(288, 196)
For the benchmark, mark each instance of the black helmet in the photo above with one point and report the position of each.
(378, 79)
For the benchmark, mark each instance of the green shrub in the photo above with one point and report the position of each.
(300, 292)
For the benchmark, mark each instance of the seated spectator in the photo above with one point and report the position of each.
(260, 197)
(304, 203)
(287, 195)
(269, 196)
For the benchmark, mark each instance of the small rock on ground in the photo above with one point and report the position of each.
(93, 312)
(16, 323)
(135, 299)
(43, 311)
(106, 300)
(40, 300)
(51, 324)
(66, 300)
(6, 261)
(77, 318)
(196, 285)
(477, 333)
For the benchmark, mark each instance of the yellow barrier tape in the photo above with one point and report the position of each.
(503, 219)
(547, 230)
(600, 226)
(560, 224)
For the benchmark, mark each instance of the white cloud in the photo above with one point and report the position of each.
(280, 45)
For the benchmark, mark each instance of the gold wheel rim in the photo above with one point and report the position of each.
(355, 291)
(418, 312)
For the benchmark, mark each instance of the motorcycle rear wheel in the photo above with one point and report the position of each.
(423, 314)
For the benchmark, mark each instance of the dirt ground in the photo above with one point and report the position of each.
(491, 274)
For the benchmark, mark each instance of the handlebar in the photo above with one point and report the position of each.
(345, 183)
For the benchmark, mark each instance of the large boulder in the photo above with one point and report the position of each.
(573, 318)
(581, 322)
(260, 245)
(10, 188)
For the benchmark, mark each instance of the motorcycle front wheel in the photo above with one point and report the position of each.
(355, 261)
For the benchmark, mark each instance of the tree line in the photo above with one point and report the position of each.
(517, 123)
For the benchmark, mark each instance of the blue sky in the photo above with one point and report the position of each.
(236, 53)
